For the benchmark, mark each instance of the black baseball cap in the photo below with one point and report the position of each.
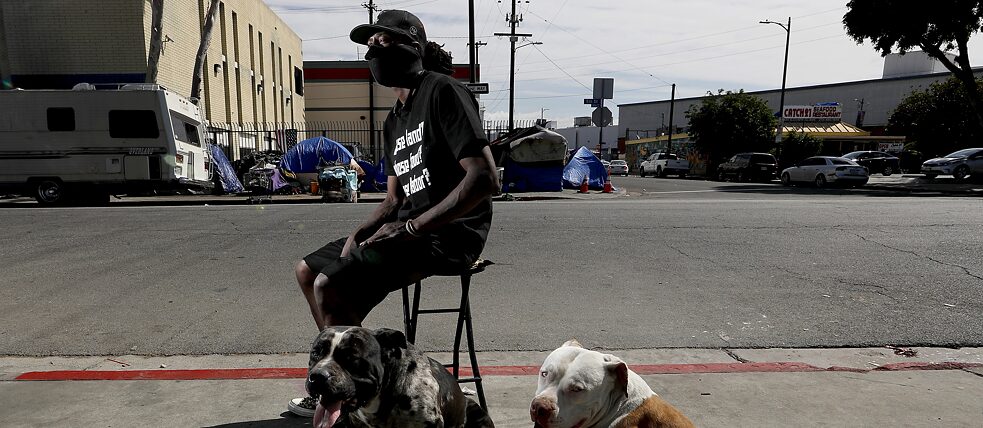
(395, 22)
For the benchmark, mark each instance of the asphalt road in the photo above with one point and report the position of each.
(684, 263)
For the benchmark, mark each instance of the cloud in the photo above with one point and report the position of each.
(698, 44)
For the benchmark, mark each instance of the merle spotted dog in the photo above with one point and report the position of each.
(366, 378)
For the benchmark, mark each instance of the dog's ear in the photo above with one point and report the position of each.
(390, 339)
(619, 370)
(574, 343)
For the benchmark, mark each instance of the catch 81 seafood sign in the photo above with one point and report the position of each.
(827, 112)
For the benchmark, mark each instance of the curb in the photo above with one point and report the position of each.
(641, 369)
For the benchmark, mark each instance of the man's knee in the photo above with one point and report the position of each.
(305, 276)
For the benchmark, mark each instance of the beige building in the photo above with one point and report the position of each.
(253, 71)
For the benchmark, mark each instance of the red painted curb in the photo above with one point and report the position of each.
(206, 374)
(300, 373)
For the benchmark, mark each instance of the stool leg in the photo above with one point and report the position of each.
(474, 358)
(406, 313)
(465, 287)
(414, 317)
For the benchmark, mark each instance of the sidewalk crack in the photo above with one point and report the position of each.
(736, 357)
(971, 372)
(965, 270)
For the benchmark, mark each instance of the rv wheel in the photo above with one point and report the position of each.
(49, 191)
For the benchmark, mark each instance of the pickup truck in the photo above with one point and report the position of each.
(662, 164)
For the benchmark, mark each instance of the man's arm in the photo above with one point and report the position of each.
(480, 182)
(385, 212)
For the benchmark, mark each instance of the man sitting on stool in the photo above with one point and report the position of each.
(441, 175)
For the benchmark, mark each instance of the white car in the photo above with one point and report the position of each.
(960, 164)
(618, 167)
(824, 170)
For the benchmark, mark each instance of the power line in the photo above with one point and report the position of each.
(561, 68)
(782, 46)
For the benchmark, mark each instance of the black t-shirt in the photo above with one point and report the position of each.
(424, 140)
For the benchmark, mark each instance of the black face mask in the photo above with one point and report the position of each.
(395, 66)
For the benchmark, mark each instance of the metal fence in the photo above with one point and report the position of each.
(238, 140)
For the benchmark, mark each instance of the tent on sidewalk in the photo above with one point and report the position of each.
(532, 159)
(306, 156)
(584, 164)
(375, 179)
(224, 171)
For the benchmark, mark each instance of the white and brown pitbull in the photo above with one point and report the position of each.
(580, 388)
(375, 378)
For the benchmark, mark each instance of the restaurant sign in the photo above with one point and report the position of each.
(825, 112)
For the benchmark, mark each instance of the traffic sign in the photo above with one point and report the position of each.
(477, 88)
(601, 116)
(591, 101)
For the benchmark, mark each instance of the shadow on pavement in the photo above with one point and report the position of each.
(287, 420)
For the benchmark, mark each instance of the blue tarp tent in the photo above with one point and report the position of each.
(584, 164)
(308, 155)
(226, 174)
(374, 179)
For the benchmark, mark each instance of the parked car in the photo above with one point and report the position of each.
(884, 163)
(824, 170)
(960, 164)
(749, 167)
(618, 167)
(662, 164)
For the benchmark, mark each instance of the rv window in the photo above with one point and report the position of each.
(184, 130)
(133, 124)
(61, 119)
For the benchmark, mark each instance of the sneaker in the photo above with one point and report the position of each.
(303, 407)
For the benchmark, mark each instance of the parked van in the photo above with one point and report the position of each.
(82, 145)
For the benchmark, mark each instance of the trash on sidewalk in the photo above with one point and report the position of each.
(907, 352)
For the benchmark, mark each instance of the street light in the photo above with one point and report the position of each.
(781, 107)
(512, 85)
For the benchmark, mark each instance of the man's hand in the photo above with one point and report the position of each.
(390, 231)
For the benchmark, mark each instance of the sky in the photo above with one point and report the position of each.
(645, 45)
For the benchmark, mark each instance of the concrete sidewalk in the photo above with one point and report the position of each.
(716, 388)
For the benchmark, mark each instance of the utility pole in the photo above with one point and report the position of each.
(372, 143)
(512, 19)
(672, 107)
(472, 49)
(474, 67)
(781, 104)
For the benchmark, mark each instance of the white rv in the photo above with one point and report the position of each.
(84, 144)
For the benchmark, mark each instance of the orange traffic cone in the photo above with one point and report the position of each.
(607, 186)
(583, 185)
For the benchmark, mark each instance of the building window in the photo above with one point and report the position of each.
(61, 119)
(133, 124)
(298, 81)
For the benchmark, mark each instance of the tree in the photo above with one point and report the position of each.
(206, 38)
(935, 120)
(933, 27)
(731, 122)
(156, 39)
(796, 146)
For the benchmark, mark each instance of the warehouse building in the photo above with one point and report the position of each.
(862, 111)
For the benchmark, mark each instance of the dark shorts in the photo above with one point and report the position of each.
(371, 273)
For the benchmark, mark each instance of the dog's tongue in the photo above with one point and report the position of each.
(326, 416)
